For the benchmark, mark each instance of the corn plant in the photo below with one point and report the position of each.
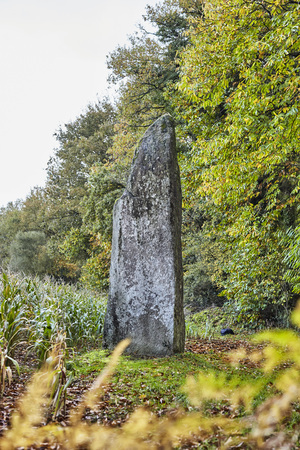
(44, 327)
(10, 287)
(83, 315)
(5, 369)
(12, 327)
(59, 381)
(12, 315)
(59, 306)
(35, 311)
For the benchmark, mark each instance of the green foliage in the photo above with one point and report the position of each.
(238, 97)
(202, 256)
(39, 312)
(292, 257)
(146, 70)
(209, 322)
(33, 215)
(103, 189)
(147, 67)
(28, 253)
(56, 306)
(95, 272)
(75, 246)
(83, 144)
(10, 224)
(13, 317)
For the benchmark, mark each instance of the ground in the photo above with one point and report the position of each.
(151, 383)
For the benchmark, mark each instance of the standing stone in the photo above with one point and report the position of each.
(146, 294)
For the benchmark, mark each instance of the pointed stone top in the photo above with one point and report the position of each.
(155, 155)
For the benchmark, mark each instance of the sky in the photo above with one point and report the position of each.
(53, 64)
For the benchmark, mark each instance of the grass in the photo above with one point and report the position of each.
(156, 386)
(151, 383)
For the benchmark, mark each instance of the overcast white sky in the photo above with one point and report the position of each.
(53, 63)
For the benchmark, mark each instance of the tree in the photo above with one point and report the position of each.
(28, 253)
(83, 144)
(239, 95)
(147, 68)
(145, 72)
(10, 224)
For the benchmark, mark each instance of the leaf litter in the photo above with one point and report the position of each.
(121, 397)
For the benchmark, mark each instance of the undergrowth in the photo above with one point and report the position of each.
(208, 323)
(226, 408)
(245, 399)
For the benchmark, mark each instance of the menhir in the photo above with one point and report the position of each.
(146, 295)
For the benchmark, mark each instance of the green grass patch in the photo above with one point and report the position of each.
(152, 383)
